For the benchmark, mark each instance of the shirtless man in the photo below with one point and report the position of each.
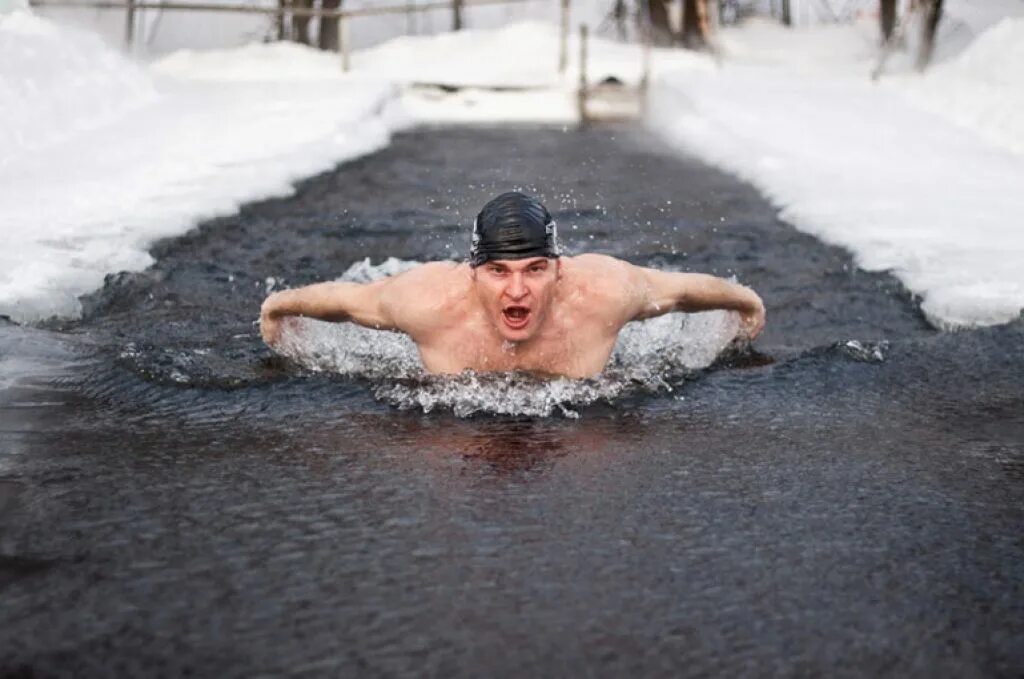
(517, 304)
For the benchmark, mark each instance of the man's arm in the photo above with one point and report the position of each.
(359, 303)
(664, 292)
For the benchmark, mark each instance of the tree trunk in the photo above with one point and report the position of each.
(456, 15)
(887, 18)
(932, 14)
(661, 29)
(620, 15)
(787, 16)
(300, 24)
(329, 27)
(696, 31)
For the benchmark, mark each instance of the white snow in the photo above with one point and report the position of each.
(918, 175)
(101, 158)
(982, 88)
(921, 175)
(57, 83)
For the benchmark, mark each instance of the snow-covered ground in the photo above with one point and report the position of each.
(99, 157)
(918, 175)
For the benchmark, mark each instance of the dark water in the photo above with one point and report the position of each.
(175, 501)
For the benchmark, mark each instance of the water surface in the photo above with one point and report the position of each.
(175, 500)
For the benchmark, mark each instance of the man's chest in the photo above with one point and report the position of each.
(576, 353)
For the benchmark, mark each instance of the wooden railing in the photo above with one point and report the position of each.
(342, 16)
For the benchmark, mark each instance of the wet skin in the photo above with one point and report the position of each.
(549, 316)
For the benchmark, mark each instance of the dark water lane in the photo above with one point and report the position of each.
(612, 192)
(172, 502)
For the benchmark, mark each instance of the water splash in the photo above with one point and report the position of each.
(649, 356)
(865, 352)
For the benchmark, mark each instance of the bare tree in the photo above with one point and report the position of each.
(932, 15)
(696, 30)
(456, 15)
(887, 18)
(661, 29)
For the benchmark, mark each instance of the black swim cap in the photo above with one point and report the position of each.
(513, 226)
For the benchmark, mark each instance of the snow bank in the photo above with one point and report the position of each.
(57, 82)
(852, 163)
(504, 75)
(121, 158)
(982, 88)
(255, 62)
(519, 55)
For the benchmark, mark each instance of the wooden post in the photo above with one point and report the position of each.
(279, 19)
(343, 42)
(129, 24)
(563, 51)
(582, 94)
(646, 47)
(645, 79)
(456, 15)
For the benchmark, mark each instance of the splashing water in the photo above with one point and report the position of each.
(648, 356)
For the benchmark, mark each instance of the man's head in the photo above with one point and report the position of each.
(515, 264)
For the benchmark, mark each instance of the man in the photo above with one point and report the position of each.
(517, 304)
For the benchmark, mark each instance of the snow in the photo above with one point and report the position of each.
(57, 83)
(981, 88)
(921, 176)
(100, 156)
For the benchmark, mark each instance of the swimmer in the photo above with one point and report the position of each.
(517, 304)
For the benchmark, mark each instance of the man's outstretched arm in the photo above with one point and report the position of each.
(337, 301)
(666, 291)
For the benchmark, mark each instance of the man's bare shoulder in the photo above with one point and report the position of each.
(601, 284)
(600, 275)
(599, 266)
(429, 293)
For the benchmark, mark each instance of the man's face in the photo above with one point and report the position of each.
(516, 294)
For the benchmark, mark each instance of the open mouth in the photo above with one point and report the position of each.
(516, 316)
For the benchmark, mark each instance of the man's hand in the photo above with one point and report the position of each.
(270, 321)
(752, 321)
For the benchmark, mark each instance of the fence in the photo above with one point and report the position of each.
(342, 16)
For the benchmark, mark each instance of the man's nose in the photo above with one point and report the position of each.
(517, 287)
